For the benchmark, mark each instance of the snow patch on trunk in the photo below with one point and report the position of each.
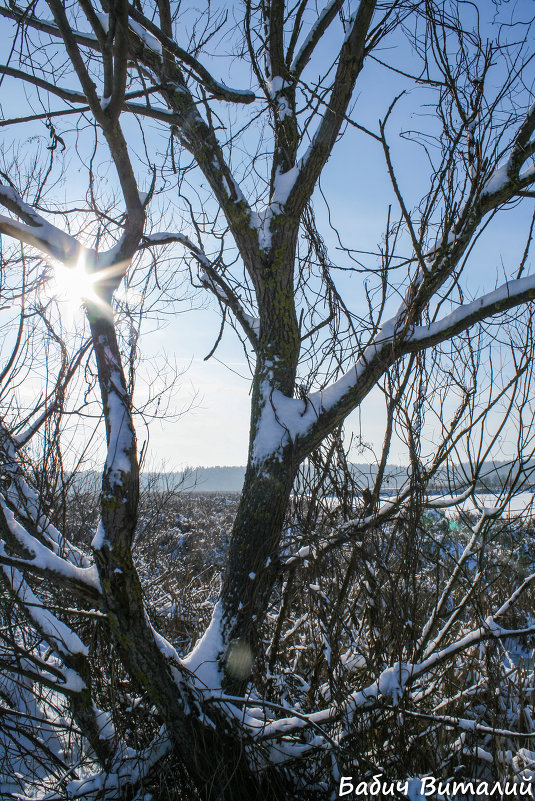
(203, 661)
(275, 85)
(121, 436)
(284, 419)
(283, 185)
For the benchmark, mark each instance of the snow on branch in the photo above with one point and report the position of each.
(120, 478)
(285, 420)
(47, 238)
(503, 178)
(121, 440)
(27, 503)
(350, 530)
(210, 279)
(204, 659)
(169, 237)
(393, 682)
(22, 439)
(156, 41)
(216, 284)
(147, 38)
(35, 230)
(50, 674)
(314, 35)
(67, 672)
(523, 145)
(506, 296)
(506, 180)
(57, 633)
(42, 559)
(128, 770)
(470, 725)
(447, 501)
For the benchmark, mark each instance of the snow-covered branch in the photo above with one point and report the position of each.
(65, 641)
(69, 673)
(390, 686)
(211, 279)
(153, 37)
(23, 498)
(314, 35)
(170, 237)
(523, 145)
(35, 230)
(507, 296)
(290, 420)
(350, 63)
(81, 581)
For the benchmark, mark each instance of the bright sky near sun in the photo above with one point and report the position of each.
(214, 428)
(71, 286)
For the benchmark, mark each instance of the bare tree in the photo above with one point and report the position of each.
(379, 641)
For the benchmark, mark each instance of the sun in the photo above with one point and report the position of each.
(71, 286)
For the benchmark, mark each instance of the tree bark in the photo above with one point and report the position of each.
(252, 563)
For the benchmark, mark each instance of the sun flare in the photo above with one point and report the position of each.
(72, 285)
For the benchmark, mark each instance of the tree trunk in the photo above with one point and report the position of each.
(252, 564)
(253, 558)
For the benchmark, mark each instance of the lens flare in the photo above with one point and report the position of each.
(72, 285)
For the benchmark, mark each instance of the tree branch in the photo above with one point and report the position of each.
(350, 62)
(219, 90)
(324, 410)
(314, 36)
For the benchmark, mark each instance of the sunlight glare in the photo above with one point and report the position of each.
(72, 285)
